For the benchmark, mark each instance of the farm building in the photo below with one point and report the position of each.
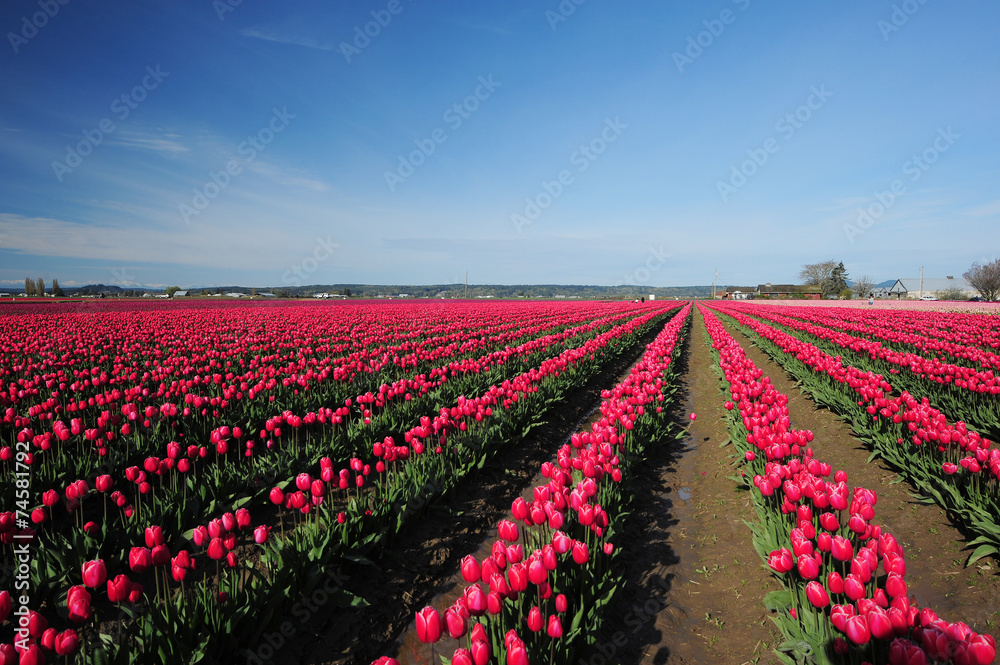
(914, 287)
(789, 291)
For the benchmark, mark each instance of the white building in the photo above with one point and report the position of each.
(915, 288)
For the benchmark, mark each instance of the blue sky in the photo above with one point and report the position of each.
(524, 142)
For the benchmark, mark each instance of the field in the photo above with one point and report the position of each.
(503, 482)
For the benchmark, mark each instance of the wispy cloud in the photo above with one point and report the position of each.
(162, 142)
(287, 38)
(281, 176)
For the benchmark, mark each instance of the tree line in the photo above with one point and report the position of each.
(36, 288)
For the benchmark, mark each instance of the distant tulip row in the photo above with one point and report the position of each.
(820, 539)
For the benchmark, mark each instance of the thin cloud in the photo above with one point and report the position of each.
(296, 40)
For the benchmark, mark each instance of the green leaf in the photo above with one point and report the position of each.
(980, 552)
(778, 600)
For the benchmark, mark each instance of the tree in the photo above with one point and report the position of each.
(29, 287)
(817, 274)
(864, 286)
(40, 287)
(347, 292)
(56, 289)
(985, 278)
(830, 276)
(171, 290)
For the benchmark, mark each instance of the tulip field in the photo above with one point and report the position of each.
(178, 476)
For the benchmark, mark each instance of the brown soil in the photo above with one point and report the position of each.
(934, 545)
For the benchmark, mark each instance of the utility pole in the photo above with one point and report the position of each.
(466, 284)
(921, 281)
(714, 280)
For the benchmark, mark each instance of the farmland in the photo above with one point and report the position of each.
(507, 482)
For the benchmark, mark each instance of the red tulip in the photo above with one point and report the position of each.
(456, 624)
(580, 553)
(160, 555)
(5, 605)
(561, 603)
(154, 536)
(554, 629)
(461, 657)
(32, 656)
(261, 533)
(428, 625)
(471, 570)
(37, 624)
(817, 595)
(857, 630)
(277, 496)
(480, 651)
(242, 518)
(103, 483)
(67, 642)
(842, 550)
(216, 550)
(140, 559)
(781, 561)
(119, 589)
(78, 601)
(95, 573)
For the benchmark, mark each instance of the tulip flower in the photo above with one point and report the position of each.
(67, 642)
(95, 573)
(857, 630)
(140, 559)
(817, 595)
(154, 536)
(781, 561)
(428, 625)
(456, 624)
(216, 550)
(119, 589)
(261, 533)
(78, 601)
(5, 605)
(471, 570)
(32, 655)
(480, 651)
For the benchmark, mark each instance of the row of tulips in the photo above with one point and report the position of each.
(538, 596)
(966, 393)
(946, 335)
(949, 463)
(819, 537)
(233, 605)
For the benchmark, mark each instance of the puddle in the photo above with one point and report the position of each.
(684, 493)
